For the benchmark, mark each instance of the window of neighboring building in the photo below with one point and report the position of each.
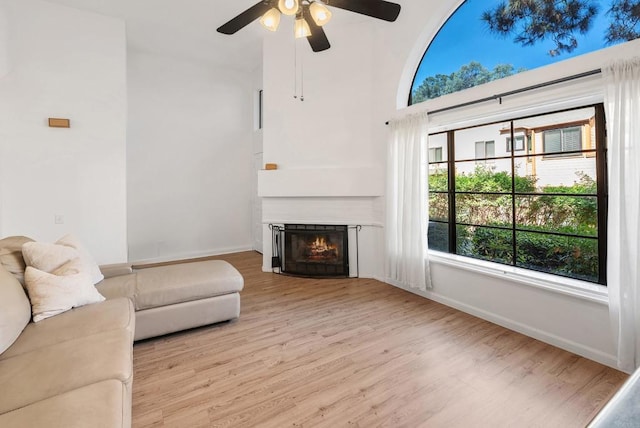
(519, 143)
(522, 208)
(485, 149)
(562, 140)
(508, 38)
(435, 154)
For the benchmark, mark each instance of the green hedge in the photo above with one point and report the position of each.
(573, 257)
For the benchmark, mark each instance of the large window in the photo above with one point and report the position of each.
(523, 207)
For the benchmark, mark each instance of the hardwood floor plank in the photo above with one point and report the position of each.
(358, 353)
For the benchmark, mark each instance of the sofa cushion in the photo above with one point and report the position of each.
(15, 310)
(118, 286)
(166, 285)
(116, 269)
(63, 367)
(11, 255)
(69, 286)
(116, 314)
(100, 405)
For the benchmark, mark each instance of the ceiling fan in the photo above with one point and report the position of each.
(311, 15)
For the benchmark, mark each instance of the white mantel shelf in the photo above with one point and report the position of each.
(321, 182)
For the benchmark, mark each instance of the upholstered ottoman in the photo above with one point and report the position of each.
(176, 297)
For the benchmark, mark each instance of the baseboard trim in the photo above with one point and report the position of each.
(194, 255)
(527, 330)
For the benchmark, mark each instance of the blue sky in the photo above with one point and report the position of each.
(465, 38)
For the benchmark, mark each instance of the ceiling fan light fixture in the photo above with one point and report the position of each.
(301, 28)
(288, 7)
(271, 19)
(319, 12)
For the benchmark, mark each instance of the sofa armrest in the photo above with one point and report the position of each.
(116, 269)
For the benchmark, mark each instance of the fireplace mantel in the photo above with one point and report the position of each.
(321, 182)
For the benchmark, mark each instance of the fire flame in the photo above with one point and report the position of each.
(320, 247)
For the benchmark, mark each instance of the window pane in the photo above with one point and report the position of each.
(572, 257)
(490, 149)
(571, 139)
(439, 206)
(519, 142)
(438, 236)
(485, 210)
(552, 141)
(485, 243)
(489, 177)
(438, 177)
(577, 215)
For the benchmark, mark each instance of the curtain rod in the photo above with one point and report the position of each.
(517, 91)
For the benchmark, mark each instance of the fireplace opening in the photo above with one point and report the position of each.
(315, 250)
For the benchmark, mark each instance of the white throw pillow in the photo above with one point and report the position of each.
(67, 287)
(49, 257)
(94, 270)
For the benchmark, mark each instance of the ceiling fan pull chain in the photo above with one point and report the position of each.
(302, 77)
(295, 69)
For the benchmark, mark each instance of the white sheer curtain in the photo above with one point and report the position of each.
(622, 107)
(407, 199)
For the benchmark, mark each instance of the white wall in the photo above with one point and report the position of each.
(70, 64)
(359, 84)
(332, 126)
(189, 157)
(4, 41)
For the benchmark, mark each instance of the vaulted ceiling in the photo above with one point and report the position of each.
(187, 28)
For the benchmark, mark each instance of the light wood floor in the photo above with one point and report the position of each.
(358, 353)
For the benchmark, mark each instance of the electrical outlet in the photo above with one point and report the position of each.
(58, 219)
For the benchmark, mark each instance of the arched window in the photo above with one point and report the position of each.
(485, 40)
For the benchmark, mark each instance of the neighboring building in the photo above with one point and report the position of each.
(546, 147)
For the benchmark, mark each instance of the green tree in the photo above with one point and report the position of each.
(625, 21)
(531, 21)
(468, 76)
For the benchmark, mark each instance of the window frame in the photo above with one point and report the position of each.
(601, 193)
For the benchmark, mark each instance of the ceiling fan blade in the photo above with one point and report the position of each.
(245, 18)
(318, 39)
(380, 9)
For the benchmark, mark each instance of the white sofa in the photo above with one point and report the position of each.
(75, 369)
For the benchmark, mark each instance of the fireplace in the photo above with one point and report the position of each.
(314, 250)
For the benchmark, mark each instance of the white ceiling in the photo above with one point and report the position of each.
(187, 28)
